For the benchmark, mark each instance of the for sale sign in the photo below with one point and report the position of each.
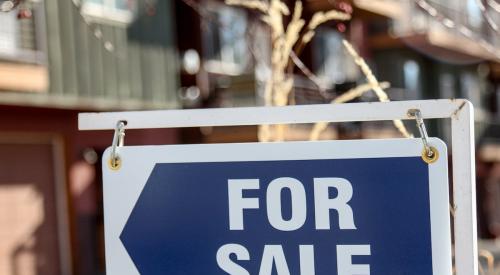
(311, 208)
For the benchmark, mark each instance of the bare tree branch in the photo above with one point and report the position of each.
(343, 98)
(321, 18)
(372, 80)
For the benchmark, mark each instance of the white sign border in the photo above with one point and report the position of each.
(459, 111)
(122, 188)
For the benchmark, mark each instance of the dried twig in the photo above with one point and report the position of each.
(494, 5)
(345, 97)
(251, 4)
(372, 80)
(490, 259)
(317, 19)
(490, 21)
(280, 85)
(321, 18)
(310, 75)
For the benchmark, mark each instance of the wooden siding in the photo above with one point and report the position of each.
(141, 67)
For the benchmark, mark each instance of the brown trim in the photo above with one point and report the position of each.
(68, 102)
(62, 193)
(385, 41)
(23, 77)
(390, 9)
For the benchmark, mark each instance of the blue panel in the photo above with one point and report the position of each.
(181, 217)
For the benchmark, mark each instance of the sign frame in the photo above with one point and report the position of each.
(132, 177)
(459, 111)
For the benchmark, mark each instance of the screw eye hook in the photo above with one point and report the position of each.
(118, 141)
(430, 154)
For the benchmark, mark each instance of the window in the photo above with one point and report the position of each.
(471, 88)
(447, 86)
(333, 64)
(22, 40)
(224, 40)
(9, 32)
(474, 14)
(114, 11)
(498, 101)
(411, 70)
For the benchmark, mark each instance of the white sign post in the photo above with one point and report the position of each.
(459, 111)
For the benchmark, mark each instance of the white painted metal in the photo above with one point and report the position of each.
(464, 189)
(122, 187)
(460, 111)
(269, 115)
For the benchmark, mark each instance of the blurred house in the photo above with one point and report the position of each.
(424, 54)
(425, 49)
(448, 49)
(444, 49)
(58, 58)
(100, 55)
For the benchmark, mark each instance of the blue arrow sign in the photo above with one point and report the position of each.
(309, 217)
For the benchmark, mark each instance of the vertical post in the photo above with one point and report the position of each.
(464, 190)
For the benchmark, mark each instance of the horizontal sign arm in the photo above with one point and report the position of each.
(376, 111)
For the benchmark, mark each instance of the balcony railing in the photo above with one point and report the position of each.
(458, 25)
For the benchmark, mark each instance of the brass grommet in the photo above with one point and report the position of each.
(115, 164)
(430, 158)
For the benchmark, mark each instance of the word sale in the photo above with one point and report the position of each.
(230, 256)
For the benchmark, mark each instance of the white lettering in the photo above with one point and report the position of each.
(298, 201)
(237, 202)
(306, 259)
(273, 254)
(225, 263)
(323, 203)
(344, 259)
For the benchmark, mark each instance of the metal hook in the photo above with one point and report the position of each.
(118, 141)
(430, 153)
